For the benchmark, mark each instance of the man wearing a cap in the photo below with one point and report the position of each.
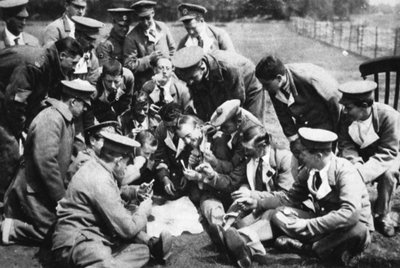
(112, 46)
(94, 228)
(219, 76)
(31, 199)
(64, 26)
(369, 135)
(15, 15)
(147, 41)
(114, 91)
(86, 33)
(339, 225)
(303, 94)
(199, 33)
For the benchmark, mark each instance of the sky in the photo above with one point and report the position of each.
(387, 2)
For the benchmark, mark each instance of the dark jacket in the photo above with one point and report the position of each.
(111, 48)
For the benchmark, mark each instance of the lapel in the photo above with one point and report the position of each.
(293, 88)
(67, 29)
(375, 118)
(168, 141)
(251, 172)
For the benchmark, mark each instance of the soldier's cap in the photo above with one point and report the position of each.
(80, 3)
(190, 11)
(315, 138)
(361, 90)
(14, 8)
(121, 15)
(118, 143)
(88, 26)
(98, 127)
(78, 88)
(224, 112)
(143, 8)
(187, 57)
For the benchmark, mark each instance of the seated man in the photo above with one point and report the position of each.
(164, 87)
(369, 136)
(94, 228)
(337, 227)
(114, 91)
(40, 183)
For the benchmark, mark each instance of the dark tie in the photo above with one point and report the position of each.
(259, 185)
(317, 180)
(152, 33)
(16, 40)
(162, 95)
(175, 140)
(200, 41)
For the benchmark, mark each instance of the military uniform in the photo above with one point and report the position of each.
(58, 29)
(28, 40)
(230, 76)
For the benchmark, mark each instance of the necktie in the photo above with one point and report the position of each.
(16, 41)
(152, 33)
(259, 185)
(200, 41)
(317, 180)
(162, 95)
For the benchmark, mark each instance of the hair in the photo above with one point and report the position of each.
(155, 61)
(112, 67)
(257, 132)
(269, 67)
(10, 12)
(146, 137)
(170, 111)
(70, 46)
(363, 103)
(324, 151)
(140, 96)
(189, 119)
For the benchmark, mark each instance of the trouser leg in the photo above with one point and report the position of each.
(131, 255)
(387, 183)
(213, 210)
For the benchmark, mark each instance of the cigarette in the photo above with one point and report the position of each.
(183, 164)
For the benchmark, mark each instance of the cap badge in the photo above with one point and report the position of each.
(185, 11)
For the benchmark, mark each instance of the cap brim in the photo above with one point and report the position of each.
(187, 17)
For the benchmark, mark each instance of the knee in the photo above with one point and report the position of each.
(390, 178)
(278, 218)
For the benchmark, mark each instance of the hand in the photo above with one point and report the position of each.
(192, 175)
(241, 193)
(194, 159)
(145, 207)
(155, 54)
(206, 169)
(298, 225)
(139, 161)
(210, 157)
(144, 192)
(247, 203)
(154, 109)
(169, 186)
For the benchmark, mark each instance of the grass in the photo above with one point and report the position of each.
(254, 41)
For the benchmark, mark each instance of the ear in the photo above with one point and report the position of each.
(203, 65)
(281, 79)
(63, 55)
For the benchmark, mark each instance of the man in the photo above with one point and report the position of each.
(94, 228)
(87, 31)
(147, 41)
(199, 33)
(217, 77)
(15, 14)
(369, 136)
(27, 76)
(303, 94)
(114, 91)
(31, 200)
(64, 26)
(338, 227)
(112, 46)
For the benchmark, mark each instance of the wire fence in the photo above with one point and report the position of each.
(367, 41)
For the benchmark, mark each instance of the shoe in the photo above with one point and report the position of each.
(385, 227)
(350, 260)
(216, 233)
(160, 248)
(6, 227)
(238, 248)
(288, 244)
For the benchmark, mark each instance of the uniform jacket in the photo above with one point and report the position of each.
(137, 50)
(316, 99)
(381, 155)
(346, 204)
(105, 110)
(57, 30)
(29, 40)
(40, 182)
(178, 89)
(278, 176)
(32, 79)
(111, 48)
(231, 76)
(93, 207)
(221, 39)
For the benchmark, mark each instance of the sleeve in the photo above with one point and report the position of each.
(235, 84)
(349, 186)
(284, 178)
(225, 42)
(230, 182)
(285, 119)
(46, 144)
(118, 219)
(132, 58)
(104, 51)
(170, 41)
(347, 148)
(51, 35)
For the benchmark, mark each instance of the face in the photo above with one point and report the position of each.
(141, 109)
(353, 111)
(308, 159)
(164, 68)
(192, 77)
(16, 24)
(147, 151)
(252, 150)
(68, 63)
(121, 30)
(74, 10)
(193, 27)
(171, 126)
(190, 135)
(78, 106)
(119, 169)
(147, 21)
(112, 82)
(97, 144)
(273, 85)
(229, 126)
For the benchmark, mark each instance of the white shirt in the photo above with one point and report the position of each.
(152, 38)
(207, 41)
(324, 189)
(251, 170)
(155, 94)
(11, 38)
(71, 26)
(363, 132)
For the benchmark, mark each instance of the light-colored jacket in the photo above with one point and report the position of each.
(56, 30)
(29, 40)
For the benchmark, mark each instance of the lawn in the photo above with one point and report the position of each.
(254, 41)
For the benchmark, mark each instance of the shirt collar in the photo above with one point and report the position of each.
(12, 37)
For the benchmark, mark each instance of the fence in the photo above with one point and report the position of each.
(363, 40)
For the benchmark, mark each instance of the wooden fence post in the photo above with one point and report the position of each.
(350, 34)
(333, 34)
(361, 38)
(341, 35)
(376, 42)
(396, 43)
